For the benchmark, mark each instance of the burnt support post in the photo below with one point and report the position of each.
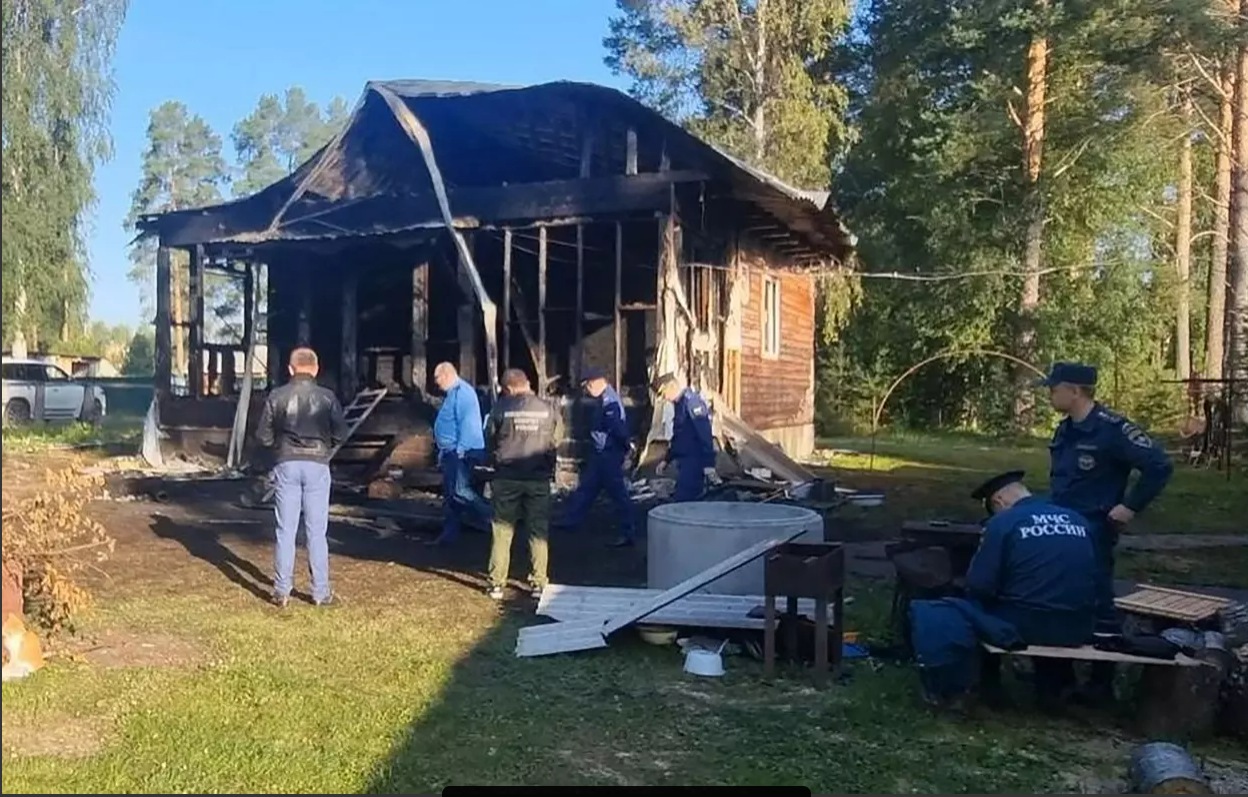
(619, 284)
(579, 328)
(467, 326)
(420, 328)
(249, 306)
(195, 334)
(507, 297)
(348, 370)
(273, 354)
(303, 333)
(164, 329)
(249, 327)
(541, 310)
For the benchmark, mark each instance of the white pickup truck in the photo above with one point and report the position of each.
(39, 391)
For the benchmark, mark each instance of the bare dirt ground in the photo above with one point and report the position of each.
(206, 544)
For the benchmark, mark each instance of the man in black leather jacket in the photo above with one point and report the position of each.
(302, 423)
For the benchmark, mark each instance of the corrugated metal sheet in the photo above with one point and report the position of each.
(574, 604)
(669, 596)
(546, 640)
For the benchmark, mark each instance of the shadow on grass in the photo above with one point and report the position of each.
(239, 543)
(202, 543)
(628, 716)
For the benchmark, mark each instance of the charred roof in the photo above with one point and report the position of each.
(371, 179)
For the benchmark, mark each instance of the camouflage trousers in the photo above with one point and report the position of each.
(525, 503)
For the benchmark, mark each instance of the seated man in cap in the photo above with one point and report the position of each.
(692, 445)
(1092, 455)
(1030, 583)
(604, 470)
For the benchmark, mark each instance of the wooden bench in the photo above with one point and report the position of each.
(1174, 697)
(1090, 653)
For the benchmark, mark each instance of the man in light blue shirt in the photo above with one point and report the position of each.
(459, 435)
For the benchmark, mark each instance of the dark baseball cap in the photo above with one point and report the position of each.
(988, 488)
(591, 372)
(1071, 374)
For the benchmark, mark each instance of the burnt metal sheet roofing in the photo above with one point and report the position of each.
(372, 180)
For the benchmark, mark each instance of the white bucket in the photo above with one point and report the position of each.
(706, 663)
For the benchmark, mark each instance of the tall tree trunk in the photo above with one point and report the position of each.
(1183, 250)
(1215, 332)
(1033, 242)
(760, 85)
(1237, 300)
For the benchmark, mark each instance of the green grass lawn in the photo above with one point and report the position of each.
(413, 696)
(1211, 567)
(39, 437)
(931, 476)
(193, 685)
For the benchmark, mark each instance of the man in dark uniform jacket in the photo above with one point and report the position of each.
(1030, 583)
(1092, 455)
(522, 435)
(692, 447)
(604, 469)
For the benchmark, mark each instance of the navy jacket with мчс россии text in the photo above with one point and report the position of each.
(1035, 567)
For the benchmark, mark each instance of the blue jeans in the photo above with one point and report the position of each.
(603, 471)
(301, 492)
(458, 496)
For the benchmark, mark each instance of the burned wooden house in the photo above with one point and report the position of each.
(543, 228)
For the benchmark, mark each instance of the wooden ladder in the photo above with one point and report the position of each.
(355, 414)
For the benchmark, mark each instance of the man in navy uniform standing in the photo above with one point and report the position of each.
(604, 470)
(692, 447)
(1092, 455)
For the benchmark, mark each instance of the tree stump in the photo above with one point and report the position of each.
(1179, 702)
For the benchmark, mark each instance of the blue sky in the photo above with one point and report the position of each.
(219, 56)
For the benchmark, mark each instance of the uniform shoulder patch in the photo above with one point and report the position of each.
(1109, 417)
(1136, 435)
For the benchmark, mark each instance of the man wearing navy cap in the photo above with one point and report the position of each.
(1035, 569)
(692, 447)
(1030, 583)
(605, 468)
(1035, 564)
(1092, 455)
